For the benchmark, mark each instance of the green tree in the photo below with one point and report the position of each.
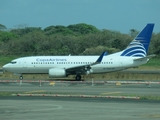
(59, 29)
(78, 39)
(98, 50)
(155, 44)
(133, 33)
(83, 28)
(2, 27)
(23, 31)
(6, 36)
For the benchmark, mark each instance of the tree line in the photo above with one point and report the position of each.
(77, 39)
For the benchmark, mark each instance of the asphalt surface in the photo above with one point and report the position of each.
(53, 108)
(71, 108)
(83, 89)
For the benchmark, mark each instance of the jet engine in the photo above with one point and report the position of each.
(57, 72)
(89, 71)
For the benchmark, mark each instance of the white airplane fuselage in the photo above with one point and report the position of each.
(42, 64)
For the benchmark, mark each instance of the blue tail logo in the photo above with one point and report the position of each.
(139, 46)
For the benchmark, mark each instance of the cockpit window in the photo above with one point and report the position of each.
(13, 62)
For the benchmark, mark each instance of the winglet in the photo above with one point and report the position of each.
(99, 59)
(106, 53)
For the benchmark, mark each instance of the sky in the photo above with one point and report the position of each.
(118, 15)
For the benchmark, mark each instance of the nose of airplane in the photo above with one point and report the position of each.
(5, 67)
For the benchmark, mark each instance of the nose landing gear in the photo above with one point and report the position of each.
(21, 78)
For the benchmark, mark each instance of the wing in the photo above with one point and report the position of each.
(84, 68)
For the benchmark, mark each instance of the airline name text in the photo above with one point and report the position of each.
(50, 60)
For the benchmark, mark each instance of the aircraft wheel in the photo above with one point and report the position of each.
(21, 77)
(78, 78)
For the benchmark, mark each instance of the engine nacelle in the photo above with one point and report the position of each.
(89, 71)
(57, 72)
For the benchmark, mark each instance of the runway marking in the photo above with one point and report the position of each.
(106, 93)
(35, 91)
(52, 83)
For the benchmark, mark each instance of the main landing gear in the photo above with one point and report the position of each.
(78, 77)
(21, 77)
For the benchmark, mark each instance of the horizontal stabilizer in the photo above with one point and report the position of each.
(144, 58)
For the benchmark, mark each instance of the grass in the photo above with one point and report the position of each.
(142, 97)
(106, 76)
(153, 62)
(150, 97)
(6, 93)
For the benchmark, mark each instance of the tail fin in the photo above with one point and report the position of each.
(139, 46)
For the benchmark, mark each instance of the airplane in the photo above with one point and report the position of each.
(134, 55)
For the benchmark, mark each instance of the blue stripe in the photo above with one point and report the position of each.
(138, 56)
(131, 49)
(135, 53)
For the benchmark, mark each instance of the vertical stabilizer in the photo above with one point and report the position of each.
(139, 46)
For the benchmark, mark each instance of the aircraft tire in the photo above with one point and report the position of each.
(21, 77)
(78, 78)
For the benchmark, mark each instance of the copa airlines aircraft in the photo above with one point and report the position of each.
(62, 66)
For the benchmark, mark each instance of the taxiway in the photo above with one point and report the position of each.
(71, 108)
